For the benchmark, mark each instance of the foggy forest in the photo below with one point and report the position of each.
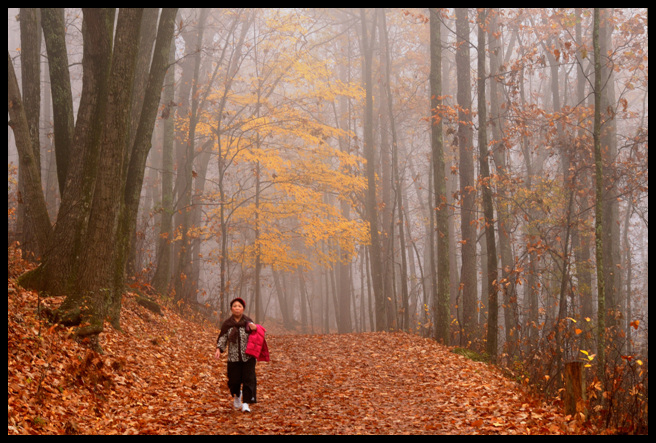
(474, 177)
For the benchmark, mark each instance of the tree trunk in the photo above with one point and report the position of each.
(184, 284)
(442, 290)
(134, 174)
(531, 290)
(346, 295)
(256, 241)
(144, 55)
(283, 302)
(30, 35)
(608, 141)
(162, 276)
(35, 202)
(599, 193)
(580, 239)
(628, 349)
(387, 206)
(86, 258)
(486, 185)
(371, 202)
(396, 177)
(96, 287)
(467, 184)
(504, 216)
(54, 33)
(58, 272)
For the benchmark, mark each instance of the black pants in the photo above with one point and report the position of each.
(243, 373)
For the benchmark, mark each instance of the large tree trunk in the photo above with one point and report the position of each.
(58, 272)
(96, 287)
(85, 258)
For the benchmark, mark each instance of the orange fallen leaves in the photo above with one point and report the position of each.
(159, 376)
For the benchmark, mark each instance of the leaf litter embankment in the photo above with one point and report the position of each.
(158, 376)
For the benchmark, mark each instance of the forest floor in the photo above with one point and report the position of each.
(159, 376)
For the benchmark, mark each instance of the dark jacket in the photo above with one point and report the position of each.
(234, 336)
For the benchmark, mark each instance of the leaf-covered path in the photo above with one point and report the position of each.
(159, 377)
(386, 383)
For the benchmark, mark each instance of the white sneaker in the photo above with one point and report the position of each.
(237, 403)
(245, 408)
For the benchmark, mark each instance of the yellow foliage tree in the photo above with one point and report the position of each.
(272, 128)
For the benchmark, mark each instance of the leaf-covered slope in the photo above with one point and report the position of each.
(159, 376)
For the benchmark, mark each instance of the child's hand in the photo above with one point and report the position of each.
(217, 354)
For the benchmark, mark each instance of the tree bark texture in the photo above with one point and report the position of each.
(486, 186)
(54, 33)
(35, 203)
(371, 202)
(85, 257)
(441, 292)
(467, 184)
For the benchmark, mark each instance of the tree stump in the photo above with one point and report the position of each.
(574, 397)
